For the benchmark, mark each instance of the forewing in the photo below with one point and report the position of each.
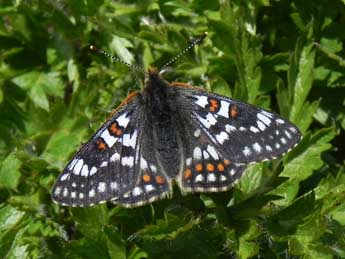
(220, 136)
(243, 132)
(105, 167)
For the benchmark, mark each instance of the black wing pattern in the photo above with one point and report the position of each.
(105, 167)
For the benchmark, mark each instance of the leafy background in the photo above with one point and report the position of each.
(286, 56)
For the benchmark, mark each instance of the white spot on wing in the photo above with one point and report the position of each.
(149, 188)
(254, 129)
(72, 164)
(277, 145)
(101, 187)
(257, 147)
(261, 116)
(221, 137)
(280, 121)
(81, 195)
(261, 126)
(93, 170)
(270, 115)
(115, 157)
(127, 160)
(92, 193)
(211, 177)
(206, 154)
(104, 164)
(78, 166)
(57, 190)
(292, 129)
(113, 185)
(223, 178)
(268, 148)
(197, 153)
(230, 128)
(197, 133)
(122, 120)
(110, 140)
(242, 129)
(209, 121)
(199, 178)
(212, 151)
(283, 140)
(201, 100)
(85, 171)
(143, 164)
(246, 151)
(287, 134)
(65, 192)
(73, 195)
(153, 168)
(64, 177)
(137, 191)
(130, 141)
(224, 109)
(189, 161)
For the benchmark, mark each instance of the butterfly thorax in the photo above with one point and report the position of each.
(161, 121)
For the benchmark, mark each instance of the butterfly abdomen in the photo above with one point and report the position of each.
(161, 118)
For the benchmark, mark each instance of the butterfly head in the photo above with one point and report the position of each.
(153, 71)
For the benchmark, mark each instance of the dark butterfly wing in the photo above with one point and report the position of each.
(105, 167)
(153, 183)
(223, 136)
(244, 132)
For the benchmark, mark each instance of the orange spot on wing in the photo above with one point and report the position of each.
(160, 179)
(227, 162)
(210, 167)
(213, 105)
(119, 132)
(233, 111)
(115, 130)
(187, 174)
(146, 178)
(220, 167)
(198, 167)
(101, 145)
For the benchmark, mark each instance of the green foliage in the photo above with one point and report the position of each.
(285, 56)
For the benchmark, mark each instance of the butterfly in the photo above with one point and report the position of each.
(171, 132)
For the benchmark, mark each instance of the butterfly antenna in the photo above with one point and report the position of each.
(190, 46)
(116, 59)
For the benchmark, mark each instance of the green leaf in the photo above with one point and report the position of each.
(302, 161)
(9, 171)
(91, 220)
(40, 85)
(9, 219)
(115, 243)
(120, 47)
(301, 76)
